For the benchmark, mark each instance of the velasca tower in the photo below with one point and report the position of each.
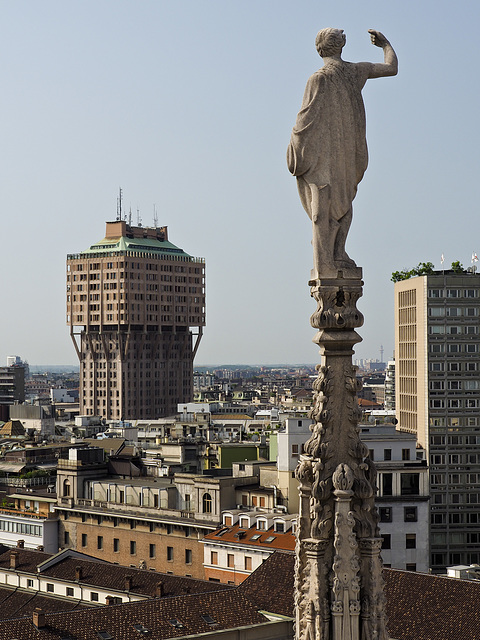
(136, 312)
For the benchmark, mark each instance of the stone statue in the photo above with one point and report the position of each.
(328, 150)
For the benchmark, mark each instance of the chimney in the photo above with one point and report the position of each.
(109, 600)
(20, 544)
(38, 618)
(14, 554)
(128, 583)
(78, 573)
(159, 590)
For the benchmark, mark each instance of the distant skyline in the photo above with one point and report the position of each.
(188, 107)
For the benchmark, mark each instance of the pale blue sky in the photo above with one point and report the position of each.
(189, 105)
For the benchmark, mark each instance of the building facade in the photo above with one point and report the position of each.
(145, 522)
(403, 496)
(437, 355)
(136, 312)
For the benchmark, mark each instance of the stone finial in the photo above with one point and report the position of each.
(343, 478)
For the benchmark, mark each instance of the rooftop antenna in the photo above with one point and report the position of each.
(155, 216)
(119, 204)
(139, 220)
(130, 217)
(381, 353)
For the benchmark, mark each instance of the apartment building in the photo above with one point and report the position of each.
(136, 312)
(244, 541)
(403, 496)
(148, 522)
(437, 359)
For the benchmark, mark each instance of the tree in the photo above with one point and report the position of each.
(422, 269)
(457, 267)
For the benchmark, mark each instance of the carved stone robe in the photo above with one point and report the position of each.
(328, 144)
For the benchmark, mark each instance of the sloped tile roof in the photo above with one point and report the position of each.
(285, 541)
(426, 607)
(16, 603)
(27, 559)
(100, 574)
(228, 609)
(270, 587)
(113, 576)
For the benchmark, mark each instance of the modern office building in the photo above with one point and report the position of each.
(437, 359)
(136, 312)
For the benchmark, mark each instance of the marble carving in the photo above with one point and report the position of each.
(328, 150)
(338, 578)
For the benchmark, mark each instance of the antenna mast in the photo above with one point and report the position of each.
(139, 220)
(155, 217)
(119, 204)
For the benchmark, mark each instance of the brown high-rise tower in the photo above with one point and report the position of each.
(134, 301)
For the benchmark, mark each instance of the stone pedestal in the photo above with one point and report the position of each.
(339, 589)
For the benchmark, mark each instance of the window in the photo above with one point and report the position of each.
(411, 566)
(188, 556)
(169, 554)
(437, 329)
(29, 583)
(410, 484)
(84, 539)
(228, 521)
(371, 453)
(151, 551)
(437, 347)
(387, 484)
(133, 524)
(213, 557)
(387, 454)
(436, 312)
(261, 525)
(405, 454)
(93, 596)
(244, 523)
(70, 592)
(410, 541)
(50, 587)
(99, 542)
(294, 450)
(133, 547)
(385, 514)
(66, 488)
(116, 545)
(410, 514)
(248, 563)
(387, 541)
(230, 560)
(207, 503)
(279, 527)
(66, 538)
(262, 501)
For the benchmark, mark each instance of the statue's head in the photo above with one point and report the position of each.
(330, 42)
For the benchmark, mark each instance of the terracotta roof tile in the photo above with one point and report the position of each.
(228, 609)
(284, 541)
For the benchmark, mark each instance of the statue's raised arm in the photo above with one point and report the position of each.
(390, 62)
(328, 148)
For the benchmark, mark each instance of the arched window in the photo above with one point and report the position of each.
(207, 503)
(66, 488)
